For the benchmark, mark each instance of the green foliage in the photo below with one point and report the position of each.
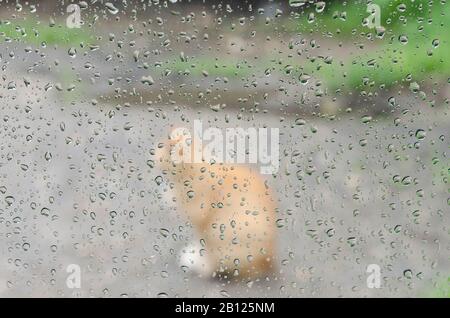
(389, 60)
(212, 67)
(442, 290)
(31, 31)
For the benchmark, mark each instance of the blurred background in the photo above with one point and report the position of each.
(363, 114)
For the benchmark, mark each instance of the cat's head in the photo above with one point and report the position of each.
(176, 150)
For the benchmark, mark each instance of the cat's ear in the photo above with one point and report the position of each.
(179, 134)
(180, 143)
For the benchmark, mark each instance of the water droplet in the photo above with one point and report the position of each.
(11, 85)
(435, 43)
(280, 223)
(366, 119)
(164, 232)
(351, 241)
(407, 180)
(304, 78)
(45, 212)
(159, 180)
(9, 200)
(190, 194)
(408, 274)
(403, 39)
(296, 3)
(72, 52)
(111, 8)
(147, 80)
(421, 134)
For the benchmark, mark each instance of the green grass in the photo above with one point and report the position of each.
(31, 31)
(442, 290)
(344, 18)
(392, 60)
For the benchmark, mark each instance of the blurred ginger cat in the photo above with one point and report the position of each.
(231, 209)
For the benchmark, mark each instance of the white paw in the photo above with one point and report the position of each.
(193, 257)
